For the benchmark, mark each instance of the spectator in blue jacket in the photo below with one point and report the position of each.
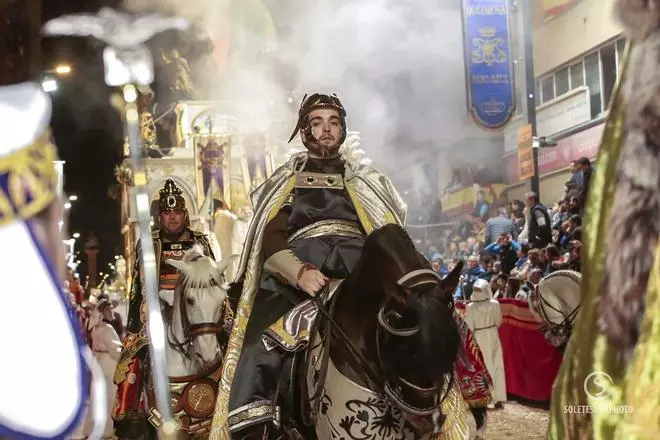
(507, 249)
(473, 273)
(439, 265)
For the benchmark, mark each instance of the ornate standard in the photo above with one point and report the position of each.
(128, 63)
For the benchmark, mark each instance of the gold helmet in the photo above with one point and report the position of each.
(171, 198)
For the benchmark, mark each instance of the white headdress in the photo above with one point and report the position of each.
(481, 290)
(39, 398)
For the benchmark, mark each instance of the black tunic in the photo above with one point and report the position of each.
(334, 255)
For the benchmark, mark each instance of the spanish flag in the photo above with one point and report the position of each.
(553, 8)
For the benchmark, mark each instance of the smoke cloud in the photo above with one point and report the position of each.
(397, 65)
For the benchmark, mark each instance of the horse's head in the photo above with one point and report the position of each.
(417, 335)
(198, 302)
(556, 302)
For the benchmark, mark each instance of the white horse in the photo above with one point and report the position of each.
(556, 303)
(198, 324)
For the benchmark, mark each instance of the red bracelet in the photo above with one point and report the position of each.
(305, 267)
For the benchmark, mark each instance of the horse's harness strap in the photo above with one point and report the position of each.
(316, 397)
(195, 330)
(357, 356)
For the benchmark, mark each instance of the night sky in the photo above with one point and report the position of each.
(88, 133)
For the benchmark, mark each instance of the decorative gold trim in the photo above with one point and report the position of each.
(279, 335)
(359, 208)
(319, 180)
(251, 414)
(31, 180)
(328, 227)
(288, 188)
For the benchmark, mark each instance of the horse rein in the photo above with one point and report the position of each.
(557, 330)
(380, 386)
(191, 331)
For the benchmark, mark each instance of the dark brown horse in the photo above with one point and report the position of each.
(393, 332)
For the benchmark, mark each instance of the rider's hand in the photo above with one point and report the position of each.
(311, 281)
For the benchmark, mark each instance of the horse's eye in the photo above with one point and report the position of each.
(190, 301)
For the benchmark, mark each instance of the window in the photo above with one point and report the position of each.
(577, 75)
(561, 82)
(537, 92)
(608, 68)
(592, 76)
(548, 88)
(598, 71)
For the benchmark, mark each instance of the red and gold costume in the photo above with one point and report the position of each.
(473, 377)
(131, 420)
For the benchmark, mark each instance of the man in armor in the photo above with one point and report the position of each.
(171, 241)
(310, 221)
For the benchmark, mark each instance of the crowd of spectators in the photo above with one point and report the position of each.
(512, 246)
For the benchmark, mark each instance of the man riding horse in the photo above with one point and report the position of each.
(310, 223)
(171, 241)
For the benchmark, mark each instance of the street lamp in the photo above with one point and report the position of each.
(49, 85)
(63, 69)
(73, 198)
(76, 235)
(67, 205)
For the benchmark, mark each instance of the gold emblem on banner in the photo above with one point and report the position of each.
(488, 48)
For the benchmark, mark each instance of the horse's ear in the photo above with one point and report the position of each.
(450, 282)
(167, 296)
(224, 264)
(180, 265)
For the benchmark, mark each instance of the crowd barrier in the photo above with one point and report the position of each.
(531, 364)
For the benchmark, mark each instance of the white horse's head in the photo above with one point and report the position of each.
(197, 305)
(556, 303)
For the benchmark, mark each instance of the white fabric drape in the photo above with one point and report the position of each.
(483, 316)
(107, 348)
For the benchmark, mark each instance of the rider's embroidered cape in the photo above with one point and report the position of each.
(620, 384)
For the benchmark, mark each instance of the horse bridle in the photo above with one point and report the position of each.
(561, 330)
(191, 331)
(391, 387)
(395, 385)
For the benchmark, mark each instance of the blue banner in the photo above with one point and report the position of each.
(489, 68)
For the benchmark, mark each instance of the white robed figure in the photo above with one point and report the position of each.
(483, 316)
(45, 380)
(106, 346)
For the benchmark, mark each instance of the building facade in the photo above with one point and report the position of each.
(577, 54)
(20, 33)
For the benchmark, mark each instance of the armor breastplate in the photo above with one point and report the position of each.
(168, 274)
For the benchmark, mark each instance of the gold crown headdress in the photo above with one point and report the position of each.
(171, 198)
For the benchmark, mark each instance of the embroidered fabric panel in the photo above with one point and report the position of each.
(350, 411)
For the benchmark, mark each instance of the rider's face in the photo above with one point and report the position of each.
(172, 221)
(326, 130)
